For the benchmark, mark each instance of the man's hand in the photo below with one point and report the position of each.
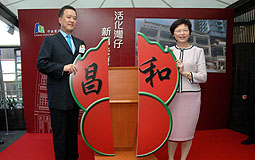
(70, 68)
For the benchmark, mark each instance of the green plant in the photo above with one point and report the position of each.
(10, 102)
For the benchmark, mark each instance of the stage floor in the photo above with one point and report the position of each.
(221, 144)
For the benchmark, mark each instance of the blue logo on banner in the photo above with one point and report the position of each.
(39, 28)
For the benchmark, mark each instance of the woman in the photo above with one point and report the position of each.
(185, 106)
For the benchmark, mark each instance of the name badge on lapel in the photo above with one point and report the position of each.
(82, 49)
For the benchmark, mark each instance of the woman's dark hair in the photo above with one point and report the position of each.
(179, 22)
(61, 10)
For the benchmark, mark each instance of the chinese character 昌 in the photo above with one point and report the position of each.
(92, 84)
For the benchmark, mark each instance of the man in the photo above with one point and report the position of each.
(249, 95)
(55, 59)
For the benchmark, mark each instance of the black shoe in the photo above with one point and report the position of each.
(250, 140)
(1, 142)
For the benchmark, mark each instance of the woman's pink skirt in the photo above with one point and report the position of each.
(185, 109)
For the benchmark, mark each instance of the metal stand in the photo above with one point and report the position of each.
(6, 119)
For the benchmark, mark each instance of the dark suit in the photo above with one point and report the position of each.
(249, 90)
(54, 54)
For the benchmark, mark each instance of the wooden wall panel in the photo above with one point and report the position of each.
(124, 124)
(123, 84)
(123, 88)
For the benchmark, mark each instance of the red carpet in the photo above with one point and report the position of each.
(37, 146)
(222, 144)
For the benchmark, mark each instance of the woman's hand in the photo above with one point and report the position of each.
(180, 66)
(186, 74)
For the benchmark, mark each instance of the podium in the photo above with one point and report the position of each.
(123, 92)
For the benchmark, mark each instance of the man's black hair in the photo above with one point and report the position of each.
(61, 10)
